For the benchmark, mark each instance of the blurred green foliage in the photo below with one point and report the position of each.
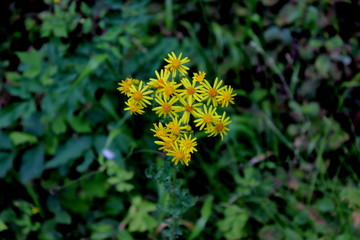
(287, 170)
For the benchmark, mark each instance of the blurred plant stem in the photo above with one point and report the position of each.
(173, 198)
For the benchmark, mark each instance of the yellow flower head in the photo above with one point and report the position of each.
(166, 144)
(188, 144)
(206, 117)
(169, 89)
(199, 77)
(167, 107)
(191, 91)
(125, 86)
(220, 127)
(175, 127)
(161, 79)
(189, 108)
(179, 155)
(133, 108)
(176, 64)
(225, 96)
(209, 92)
(160, 131)
(138, 95)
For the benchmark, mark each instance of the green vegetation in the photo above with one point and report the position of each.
(288, 169)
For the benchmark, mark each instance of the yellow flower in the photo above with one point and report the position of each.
(199, 77)
(169, 89)
(225, 96)
(219, 127)
(161, 79)
(210, 92)
(125, 86)
(133, 108)
(166, 144)
(188, 144)
(136, 81)
(189, 108)
(138, 95)
(190, 91)
(179, 155)
(167, 107)
(159, 130)
(175, 127)
(206, 117)
(176, 64)
(57, 1)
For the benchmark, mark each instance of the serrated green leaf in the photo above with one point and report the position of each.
(32, 60)
(138, 215)
(233, 223)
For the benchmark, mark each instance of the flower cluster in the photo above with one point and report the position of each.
(177, 101)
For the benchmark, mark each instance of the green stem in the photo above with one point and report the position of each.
(173, 198)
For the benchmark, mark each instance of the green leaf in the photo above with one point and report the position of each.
(325, 205)
(79, 125)
(5, 142)
(289, 14)
(270, 232)
(32, 60)
(92, 65)
(351, 195)
(71, 150)
(88, 160)
(109, 107)
(63, 217)
(19, 138)
(12, 112)
(138, 216)
(234, 222)
(323, 65)
(96, 186)
(124, 235)
(51, 143)
(32, 164)
(6, 162)
(101, 231)
(58, 126)
(118, 176)
(13, 76)
(291, 234)
(201, 222)
(3, 226)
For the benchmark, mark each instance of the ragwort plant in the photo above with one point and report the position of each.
(180, 103)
